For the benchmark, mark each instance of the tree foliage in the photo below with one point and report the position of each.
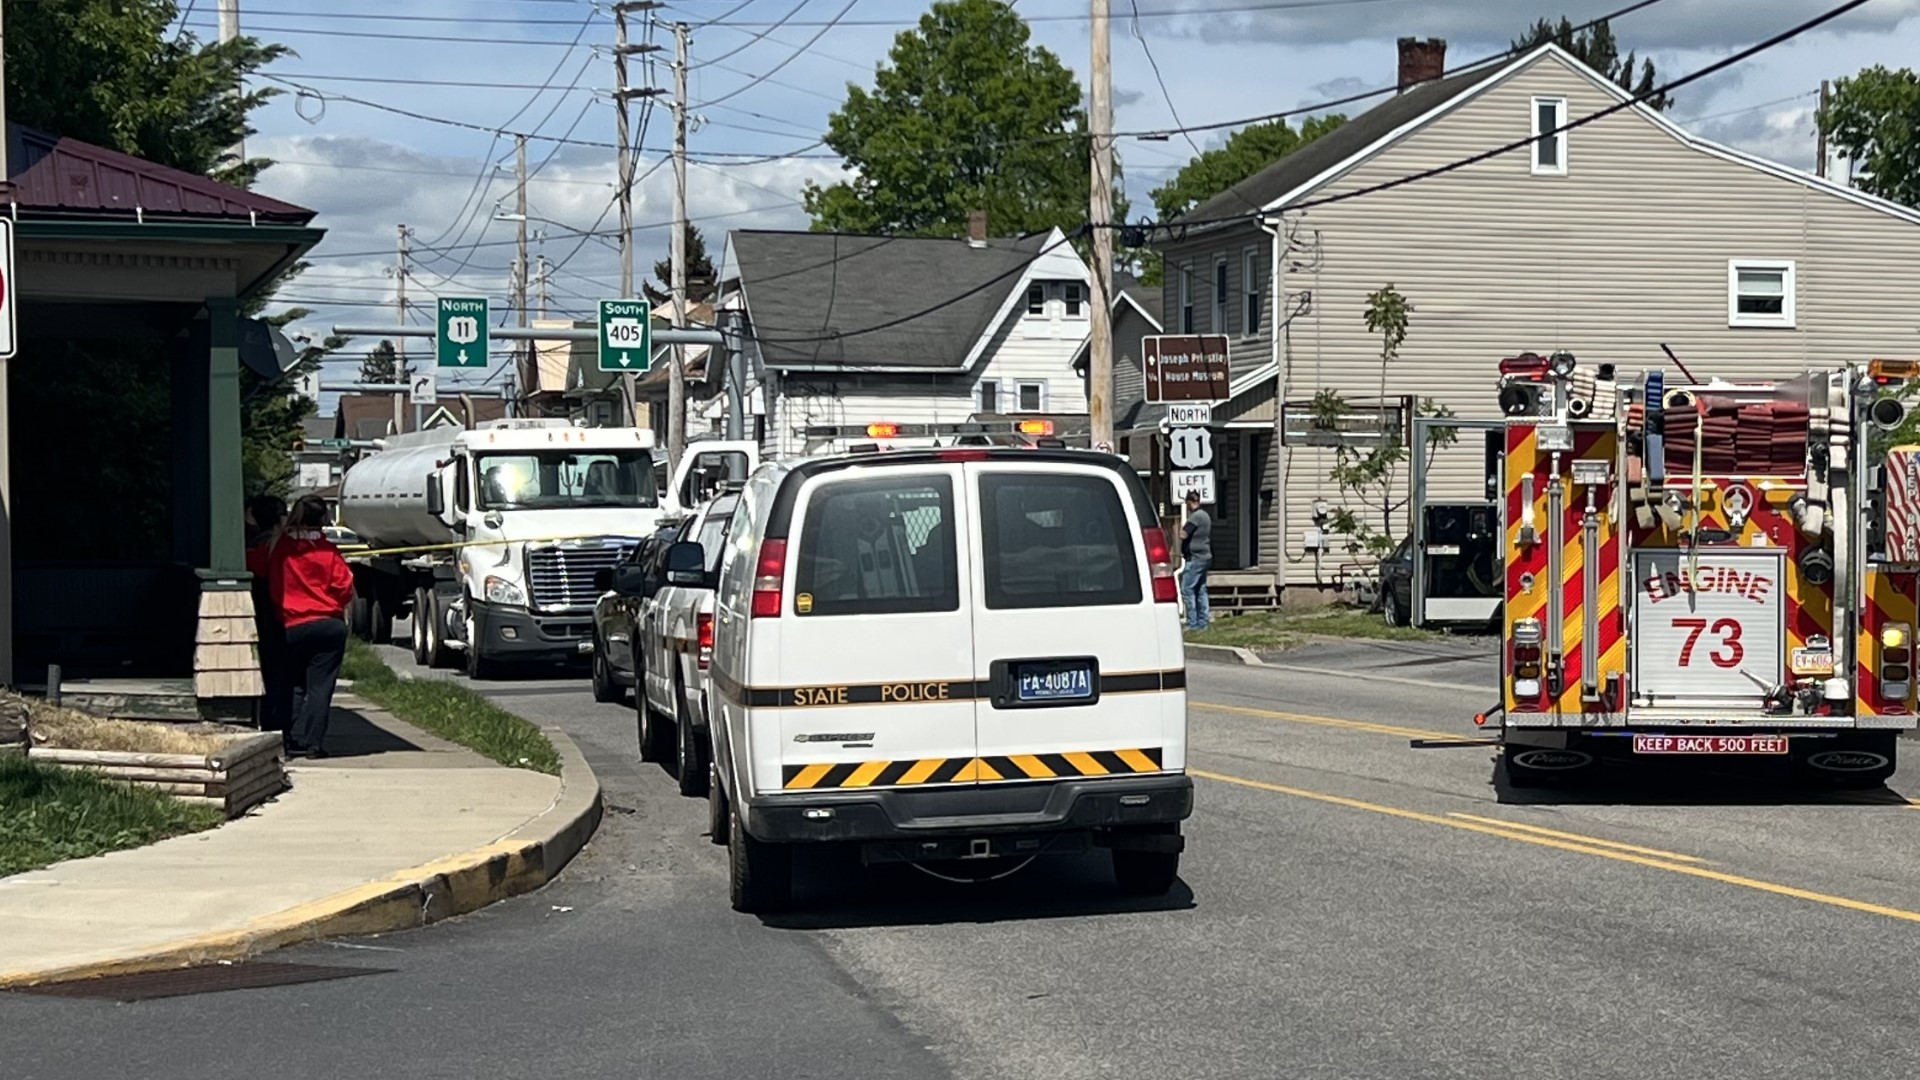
(1873, 118)
(1368, 476)
(1596, 48)
(965, 115)
(703, 283)
(1245, 152)
(108, 72)
(381, 364)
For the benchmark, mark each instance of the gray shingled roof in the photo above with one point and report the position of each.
(1331, 149)
(808, 293)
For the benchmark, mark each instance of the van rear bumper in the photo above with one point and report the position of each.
(985, 810)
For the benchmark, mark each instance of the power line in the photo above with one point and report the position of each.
(795, 55)
(440, 39)
(1748, 108)
(1158, 13)
(752, 38)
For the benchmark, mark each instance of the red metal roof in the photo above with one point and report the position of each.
(51, 174)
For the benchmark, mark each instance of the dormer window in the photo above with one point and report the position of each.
(1057, 299)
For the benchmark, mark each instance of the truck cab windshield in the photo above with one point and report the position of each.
(571, 479)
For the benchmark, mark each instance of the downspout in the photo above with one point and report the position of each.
(1277, 325)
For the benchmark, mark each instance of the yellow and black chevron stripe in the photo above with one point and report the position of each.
(963, 770)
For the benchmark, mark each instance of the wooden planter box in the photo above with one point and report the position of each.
(236, 778)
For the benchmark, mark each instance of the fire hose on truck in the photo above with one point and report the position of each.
(1704, 569)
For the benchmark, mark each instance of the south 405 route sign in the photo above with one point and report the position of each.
(460, 332)
(626, 335)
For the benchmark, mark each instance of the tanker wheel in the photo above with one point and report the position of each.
(379, 621)
(478, 667)
(359, 619)
(433, 621)
(420, 623)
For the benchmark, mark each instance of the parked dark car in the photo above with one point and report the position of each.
(1396, 584)
(1464, 574)
(624, 592)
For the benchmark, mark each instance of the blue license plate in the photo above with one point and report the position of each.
(1053, 682)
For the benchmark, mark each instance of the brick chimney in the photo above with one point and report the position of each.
(1421, 61)
(977, 228)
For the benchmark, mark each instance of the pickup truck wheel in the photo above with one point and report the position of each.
(759, 874)
(717, 810)
(653, 746)
(605, 690)
(690, 748)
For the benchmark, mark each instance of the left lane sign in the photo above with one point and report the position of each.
(461, 332)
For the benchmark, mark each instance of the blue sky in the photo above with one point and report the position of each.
(767, 73)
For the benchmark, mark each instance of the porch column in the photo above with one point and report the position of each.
(226, 496)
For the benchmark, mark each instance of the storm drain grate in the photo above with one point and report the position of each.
(211, 979)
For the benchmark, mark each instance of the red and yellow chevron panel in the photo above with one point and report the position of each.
(1888, 597)
(963, 770)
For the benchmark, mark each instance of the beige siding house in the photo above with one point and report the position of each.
(1606, 240)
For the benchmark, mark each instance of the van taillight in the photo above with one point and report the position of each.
(769, 577)
(1160, 565)
(706, 637)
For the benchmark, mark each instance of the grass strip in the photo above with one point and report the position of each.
(49, 813)
(452, 712)
(1276, 630)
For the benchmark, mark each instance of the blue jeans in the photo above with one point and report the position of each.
(1193, 593)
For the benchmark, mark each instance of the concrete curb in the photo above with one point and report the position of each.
(1223, 654)
(519, 862)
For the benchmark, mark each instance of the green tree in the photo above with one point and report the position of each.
(966, 115)
(1596, 48)
(108, 72)
(702, 282)
(1874, 119)
(381, 364)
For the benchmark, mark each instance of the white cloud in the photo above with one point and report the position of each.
(1785, 135)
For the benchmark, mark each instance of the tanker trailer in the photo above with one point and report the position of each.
(489, 539)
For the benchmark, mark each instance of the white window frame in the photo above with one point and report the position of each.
(1221, 288)
(1019, 392)
(1185, 312)
(980, 393)
(1067, 289)
(1041, 288)
(1251, 301)
(1560, 141)
(1788, 286)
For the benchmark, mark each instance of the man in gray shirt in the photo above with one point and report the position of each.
(1196, 546)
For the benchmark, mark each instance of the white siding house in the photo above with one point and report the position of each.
(1607, 240)
(854, 330)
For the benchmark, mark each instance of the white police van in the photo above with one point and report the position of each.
(947, 655)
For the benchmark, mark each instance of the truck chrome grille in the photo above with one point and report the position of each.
(561, 578)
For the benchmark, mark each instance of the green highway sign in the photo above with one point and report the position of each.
(626, 335)
(460, 333)
(336, 444)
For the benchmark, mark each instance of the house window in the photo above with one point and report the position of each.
(1186, 298)
(989, 396)
(1076, 297)
(1760, 292)
(1250, 289)
(1219, 296)
(1036, 299)
(1033, 397)
(1550, 144)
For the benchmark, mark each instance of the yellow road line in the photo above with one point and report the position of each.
(1579, 838)
(1584, 848)
(1332, 721)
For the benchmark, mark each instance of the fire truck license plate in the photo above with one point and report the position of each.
(1812, 662)
(1709, 744)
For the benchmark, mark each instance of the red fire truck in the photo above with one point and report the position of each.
(1705, 569)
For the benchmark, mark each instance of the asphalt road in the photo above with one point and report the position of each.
(1350, 908)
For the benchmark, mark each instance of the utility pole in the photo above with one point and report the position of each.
(542, 277)
(623, 93)
(677, 372)
(1820, 125)
(1100, 214)
(525, 354)
(229, 30)
(401, 370)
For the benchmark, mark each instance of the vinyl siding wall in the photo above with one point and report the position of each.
(1626, 251)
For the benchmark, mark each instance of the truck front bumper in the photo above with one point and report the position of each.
(516, 634)
(997, 813)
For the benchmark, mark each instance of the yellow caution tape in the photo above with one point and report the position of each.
(361, 552)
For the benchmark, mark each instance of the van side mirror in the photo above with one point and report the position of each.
(687, 564)
(603, 579)
(436, 498)
(627, 581)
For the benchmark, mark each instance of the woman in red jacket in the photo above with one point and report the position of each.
(312, 585)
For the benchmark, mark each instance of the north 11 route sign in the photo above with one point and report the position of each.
(626, 335)
(460, 332)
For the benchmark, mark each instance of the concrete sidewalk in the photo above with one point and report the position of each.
(396, 830)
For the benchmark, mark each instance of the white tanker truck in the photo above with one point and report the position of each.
(515, 517)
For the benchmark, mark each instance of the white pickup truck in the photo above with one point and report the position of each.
(673, 642)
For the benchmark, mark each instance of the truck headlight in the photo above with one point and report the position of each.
(502, 591)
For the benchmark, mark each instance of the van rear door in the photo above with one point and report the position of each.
(875, 658)
(1082, 672)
